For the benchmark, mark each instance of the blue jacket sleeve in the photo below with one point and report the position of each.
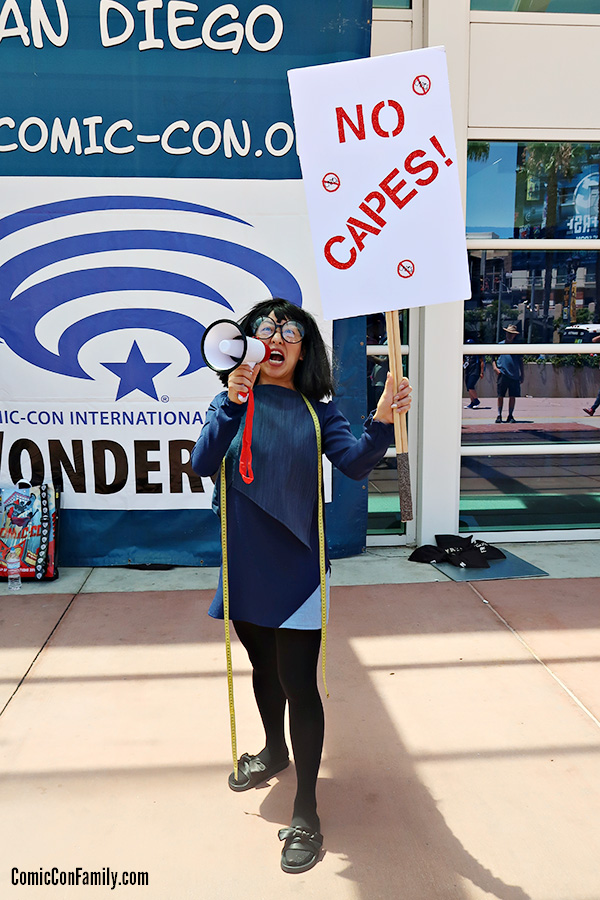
(220, 427)
(355, 457)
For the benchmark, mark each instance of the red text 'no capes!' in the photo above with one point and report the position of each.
(399, 192)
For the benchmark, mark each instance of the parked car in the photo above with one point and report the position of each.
(580, 334)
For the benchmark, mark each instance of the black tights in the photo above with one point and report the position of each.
(284, 668)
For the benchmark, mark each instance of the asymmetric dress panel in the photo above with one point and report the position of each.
(272, 523)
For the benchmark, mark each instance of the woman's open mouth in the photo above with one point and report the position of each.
(276, 357)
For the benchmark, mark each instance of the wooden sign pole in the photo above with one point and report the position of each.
(400, 432)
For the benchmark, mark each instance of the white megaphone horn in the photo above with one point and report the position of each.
(224, 347)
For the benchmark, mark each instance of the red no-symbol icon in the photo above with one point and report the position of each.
(421, 84)
(331, 181)
(406, 268)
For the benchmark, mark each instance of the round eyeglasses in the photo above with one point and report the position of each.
(265, 328)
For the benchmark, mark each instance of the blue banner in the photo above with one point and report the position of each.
(162, 88)
(149, 183)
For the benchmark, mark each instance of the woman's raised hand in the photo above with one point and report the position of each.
(240, 381)
(389, 401)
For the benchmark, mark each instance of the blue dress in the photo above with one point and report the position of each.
(272, 536)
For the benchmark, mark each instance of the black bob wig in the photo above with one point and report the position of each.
(313, 375)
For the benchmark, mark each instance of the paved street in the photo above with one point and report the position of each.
(462, 753)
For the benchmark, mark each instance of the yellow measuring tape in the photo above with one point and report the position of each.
(321, 514)
(225, 580)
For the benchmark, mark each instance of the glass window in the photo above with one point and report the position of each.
(529, 493)
(392, 4)
(384, 507)
(532, 189)
(551, 6)
(545, 297)
(549, 296)
(557, 402)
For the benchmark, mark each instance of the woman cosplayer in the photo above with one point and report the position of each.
(273, 539)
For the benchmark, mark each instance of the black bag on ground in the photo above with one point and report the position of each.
(458, 550)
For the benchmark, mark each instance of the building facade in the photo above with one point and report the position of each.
(523, 76)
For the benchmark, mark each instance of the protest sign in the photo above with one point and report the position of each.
(376, 145)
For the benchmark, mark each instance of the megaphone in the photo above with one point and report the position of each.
(224, 347)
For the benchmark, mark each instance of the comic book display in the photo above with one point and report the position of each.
(29, 522)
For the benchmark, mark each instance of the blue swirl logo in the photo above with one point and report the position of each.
(22, 307)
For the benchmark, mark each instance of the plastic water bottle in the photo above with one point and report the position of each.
(13, 569)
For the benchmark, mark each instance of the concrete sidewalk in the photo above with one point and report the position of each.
(461, 754)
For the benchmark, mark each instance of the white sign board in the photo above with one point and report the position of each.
(376, 145)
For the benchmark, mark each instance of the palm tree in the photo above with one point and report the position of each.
(478, 151)
(549, 162)
(531, 5)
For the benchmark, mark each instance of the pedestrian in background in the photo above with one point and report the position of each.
(474, 367)
(510, 371)
(590, 410)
